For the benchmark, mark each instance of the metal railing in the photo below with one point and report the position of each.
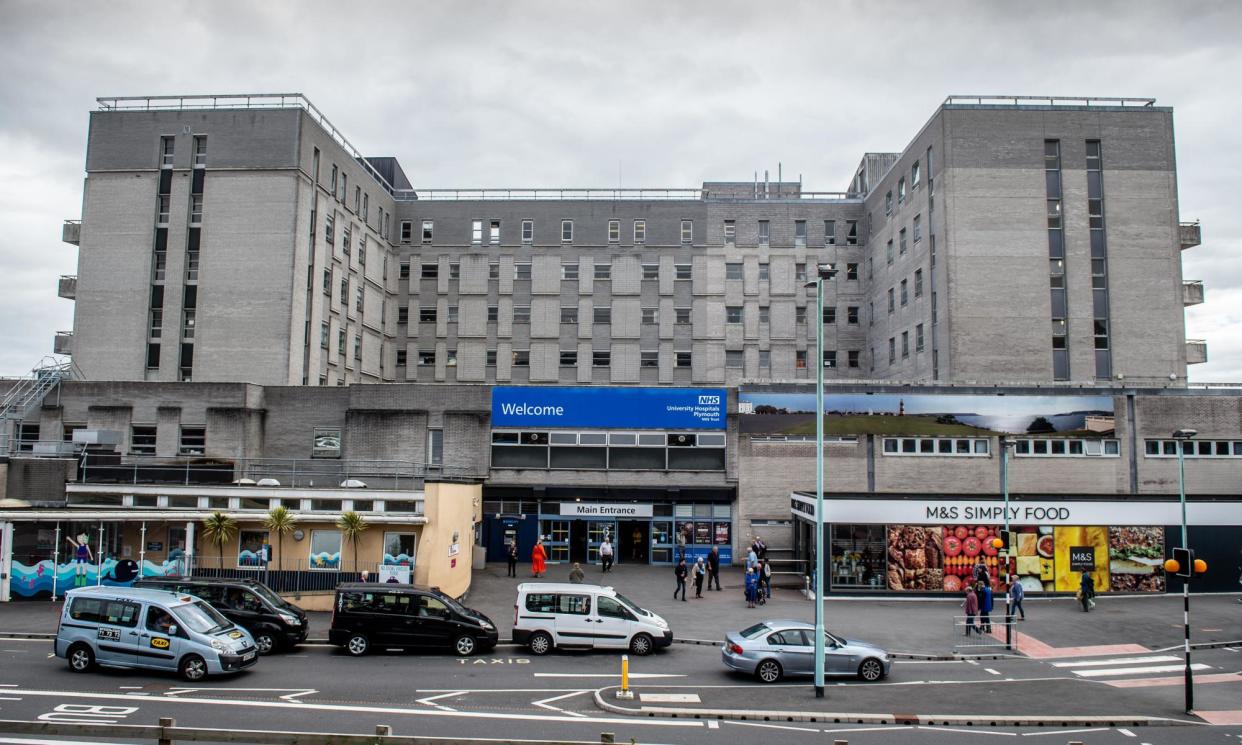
(966, 635)
(323, 474)
(604, 194)
(28, 392)
(209, 101)
(293, 577)
(1049, 101)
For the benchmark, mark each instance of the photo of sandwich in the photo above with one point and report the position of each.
(1135, 558)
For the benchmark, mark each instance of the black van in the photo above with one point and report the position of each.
(274, 622)
(367, 615)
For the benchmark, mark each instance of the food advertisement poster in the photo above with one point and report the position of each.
(915, 558)
(1068, 537)
(948, 415)
(1136, 559)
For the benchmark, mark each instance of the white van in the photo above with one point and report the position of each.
(548, 615)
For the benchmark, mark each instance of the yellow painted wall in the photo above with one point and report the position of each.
(449, 508)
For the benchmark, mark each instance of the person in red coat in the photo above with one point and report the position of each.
(538, 559)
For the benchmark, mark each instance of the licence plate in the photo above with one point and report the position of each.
(248, 657)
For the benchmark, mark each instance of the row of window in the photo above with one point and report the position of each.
(1066, 447)
(966, 446)
(734, 358)
(489, 231)
(572, 271)
(903, 242)
(338, 186)
(905, 345)
(915, 178)
(192, 440)
(570, 314)
(619, 439)
(1195, 448)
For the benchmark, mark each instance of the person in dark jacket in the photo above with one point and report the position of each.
(970, 606)
(1087, 591)
(512, 557)
(1016, 594)
(985, 608)
(752, 588)
(713, 568)
(680, 572)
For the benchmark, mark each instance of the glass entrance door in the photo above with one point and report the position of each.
(597, 531)
(555, 539)
(662, 542)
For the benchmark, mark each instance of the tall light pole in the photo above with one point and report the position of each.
(1182, 437)
(1006, 446)
(822, 272)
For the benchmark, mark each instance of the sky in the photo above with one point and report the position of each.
(593, 94)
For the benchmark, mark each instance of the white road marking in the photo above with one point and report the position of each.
(544, 703)
(494, 690)
(772, 726)
(428, 701)
(634, 676)
(713, 724)
(928, 662)
(9, 698)
(1126, 732)
(291, 697)
(391, 710)
(25, 741)
(670, 698)
(129, 688)
(1116, 661)
(1138, 670)
(970, 731)
(1064, 731)
(990, 670)
(972, 662)
(8, 685)
(867, 729)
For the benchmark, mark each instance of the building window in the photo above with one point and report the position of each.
(162, 209)
(830, 232)
(851, 232)
(870, 268)
(493, 313)
(614, 231)
(428, 230)
(942, 446)
(193, 441)
(918, 228)
(167, 148)
(765, 314)
(476, 231)
(493, 270)
(401, 357)
(888, 203)
(905, 344)
(650, 315)
(521, 314)
(800, 271)
(918, 283)
(427, 314)
(687, 231)
(892, 349)
(765, 359)
(799, 315)
(892, 300)
(521, 271)
(733, 271)
(569, 314)
(733, 314)
(902, 242)
(358, 297)
(918, 338)
(651, 271)
(569, 358)
(142, 439)
(454, 270)
(187, 326)
(681, 271)
(450, 357)
(452, 314)
(851, 315)
(340, 342)
(730, 231)
(567, 231)
(681, 359)
(1194, 449)
(157, 323)
(603, 271)
(799, 232)
(901, 191)
(528, 231)
(650, 358)
(493, 232)
(905, 295)
(324, 334)
(426, 357)
(1056, 258)
(852, 358)
(763, 272)
(602, 315)
(640, 231)
(521, 358)
(735, 358)
(764, 232)
(851, 272)
(569, 272)
(601, 358)
(357, 347)
(489, 358)
(800, 359)
(914, 175)
(681, 316)
(889, 251)
(830, 314)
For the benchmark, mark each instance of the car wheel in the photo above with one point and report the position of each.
(768, 671)
(193, 668)
(465, 645)
(540, 643)
(641, 645)
(357, 645)
(81, 659)
(871, 670)
(265, 642)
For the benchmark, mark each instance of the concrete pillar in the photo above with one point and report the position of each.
(189, 548)
(6, 559)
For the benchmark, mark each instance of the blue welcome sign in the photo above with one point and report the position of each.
(630, 408)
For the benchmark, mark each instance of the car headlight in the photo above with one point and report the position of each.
(486, 625)
(289, 619)
(220, 646)
(661, 623)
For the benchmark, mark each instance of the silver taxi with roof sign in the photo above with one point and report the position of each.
(151, 629)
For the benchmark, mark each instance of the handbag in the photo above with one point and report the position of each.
(1078, 596)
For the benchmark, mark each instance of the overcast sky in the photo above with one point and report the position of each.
(654, 94)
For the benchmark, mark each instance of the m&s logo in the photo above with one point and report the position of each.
(709, 400)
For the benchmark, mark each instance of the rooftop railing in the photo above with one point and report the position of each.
(241, 101)
(1049, 101)
(605, 194)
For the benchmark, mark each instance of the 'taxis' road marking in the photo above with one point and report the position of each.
(1115, 661)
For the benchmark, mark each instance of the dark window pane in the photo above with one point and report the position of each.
(1060, 364)
(1056, 244)
(1099, 300)
(1058, 304)
(1052, 181)
(1103, 364)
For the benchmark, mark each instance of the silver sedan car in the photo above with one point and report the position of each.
(773, 649)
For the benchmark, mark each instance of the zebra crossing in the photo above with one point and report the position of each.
(1133, 671)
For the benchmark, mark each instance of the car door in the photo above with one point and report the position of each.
(575, 621)
(114, 624)
(613, 623)
(158, 646)
(436, 626)
(836, 660)
(791, 648)
(242, 607)
(391, 618)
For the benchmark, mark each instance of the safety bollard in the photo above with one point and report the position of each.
(840, 742)
(625, 691)
(166, 723)
(607, 738)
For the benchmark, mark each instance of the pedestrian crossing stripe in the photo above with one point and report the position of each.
(1116, 661)
(1101, 672)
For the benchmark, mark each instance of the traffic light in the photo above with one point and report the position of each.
(1003, 541)
(1184, 559)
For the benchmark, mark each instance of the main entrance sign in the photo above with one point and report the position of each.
(630, 408)
(598, 509)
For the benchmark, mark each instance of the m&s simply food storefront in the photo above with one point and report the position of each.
(931, 544)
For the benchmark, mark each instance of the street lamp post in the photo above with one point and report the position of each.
(1006, 446)
(822, 272)
(1182, 436)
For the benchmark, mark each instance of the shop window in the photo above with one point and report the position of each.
(399, 549)
(250, 546)
(325, 549)
(858, 556)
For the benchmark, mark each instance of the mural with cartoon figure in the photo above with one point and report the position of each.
(82, 558)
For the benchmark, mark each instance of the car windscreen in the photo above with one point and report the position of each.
(453, 604)
(633, 606)
(200, 617)
(757, 630)
(266, 593)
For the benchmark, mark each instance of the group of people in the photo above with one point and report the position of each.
(758, 574)
(979, 600)
(704, 570)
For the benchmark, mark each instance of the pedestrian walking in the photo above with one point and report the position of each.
(970, 606)
(981, 573)
(713, 568)
(511, 557)
(765, 579)
(752, 559)
(680, 572)
(1086, 592)
(538, 559)
(1016, 594)
(752, 588)
(605, 553)
(700, 573)
(636, 544)
(985, 607)
(760, 548)
(576, 575)
(681, 545)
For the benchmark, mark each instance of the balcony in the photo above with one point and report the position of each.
(68, 286)
(63, 344)
(1192, 292)
(71, 232)
(1189, 234)
(1196, 351)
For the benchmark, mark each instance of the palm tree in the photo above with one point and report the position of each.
(219, 529)
(279, 521)
(351, 526)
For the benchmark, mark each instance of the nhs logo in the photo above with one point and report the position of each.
(709, 400)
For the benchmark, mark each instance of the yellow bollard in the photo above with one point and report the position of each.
(625, 691)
